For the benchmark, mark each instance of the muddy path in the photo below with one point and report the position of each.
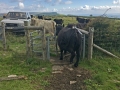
(66, 77)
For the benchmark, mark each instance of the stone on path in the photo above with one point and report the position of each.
(72, 82)
(57, 68)
(78, 75)
(55, 72)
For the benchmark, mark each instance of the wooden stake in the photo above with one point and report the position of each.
(90, 43)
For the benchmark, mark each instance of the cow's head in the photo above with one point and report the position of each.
(33, 21)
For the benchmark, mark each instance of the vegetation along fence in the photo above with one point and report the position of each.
(109, 40)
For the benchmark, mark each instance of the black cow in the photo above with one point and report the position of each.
(40, 17)
(58, 21)
(87, 20)
(81, 25)
(78, 25)
(58, 28)
(32, 16)
(82, 20)
(69, 39)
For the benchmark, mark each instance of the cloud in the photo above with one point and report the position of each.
(61, 2)
(16, 1)
(57, 2)
(116, 2)
(86, 7)
(48, 0)
(68, 2)
(87, 10)
(21, 5)
(42, 7)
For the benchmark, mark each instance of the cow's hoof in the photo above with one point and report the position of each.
(75, 65)
(61, 58)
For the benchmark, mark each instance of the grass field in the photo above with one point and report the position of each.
(105, 70)
(105, 73)
(13, 61)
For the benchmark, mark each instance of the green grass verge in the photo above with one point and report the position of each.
(13, 61)
(105, 73)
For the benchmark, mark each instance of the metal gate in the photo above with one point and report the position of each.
(36, 44)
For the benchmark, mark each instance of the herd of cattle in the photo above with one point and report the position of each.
(56, 24)
(68, 37)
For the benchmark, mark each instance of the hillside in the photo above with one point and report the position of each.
(44, 13)
(38, 13)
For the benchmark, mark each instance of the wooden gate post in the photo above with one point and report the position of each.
(28, 39)
(43, 43)
(90, 42)
(83, 46)
(48, 48)
(3, 36)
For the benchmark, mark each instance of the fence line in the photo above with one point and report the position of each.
(105, 51)
(28, 49)
(90, 41)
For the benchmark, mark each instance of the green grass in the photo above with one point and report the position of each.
(13, 61)
(105, 73)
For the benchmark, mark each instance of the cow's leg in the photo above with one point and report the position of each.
(77, 57)
(61, 54)
(65, 52)
(72, 57)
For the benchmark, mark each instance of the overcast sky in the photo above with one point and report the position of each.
(75, 7)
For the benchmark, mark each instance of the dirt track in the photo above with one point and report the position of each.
(65, 77)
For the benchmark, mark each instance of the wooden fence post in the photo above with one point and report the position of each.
(27, 38)
(43, 43)
(3, 36)
(90, 43)
(83, 46)
(48, 48)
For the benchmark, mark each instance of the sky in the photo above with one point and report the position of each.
(74, 7)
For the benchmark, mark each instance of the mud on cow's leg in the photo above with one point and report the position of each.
(77, 57)
(61, 54)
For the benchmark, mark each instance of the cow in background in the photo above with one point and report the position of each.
(49, 25)
(82, 20)
(40, 17)
(69, 39)
(59, 21)
(59, 25)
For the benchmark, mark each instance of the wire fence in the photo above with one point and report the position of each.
(109, 40)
